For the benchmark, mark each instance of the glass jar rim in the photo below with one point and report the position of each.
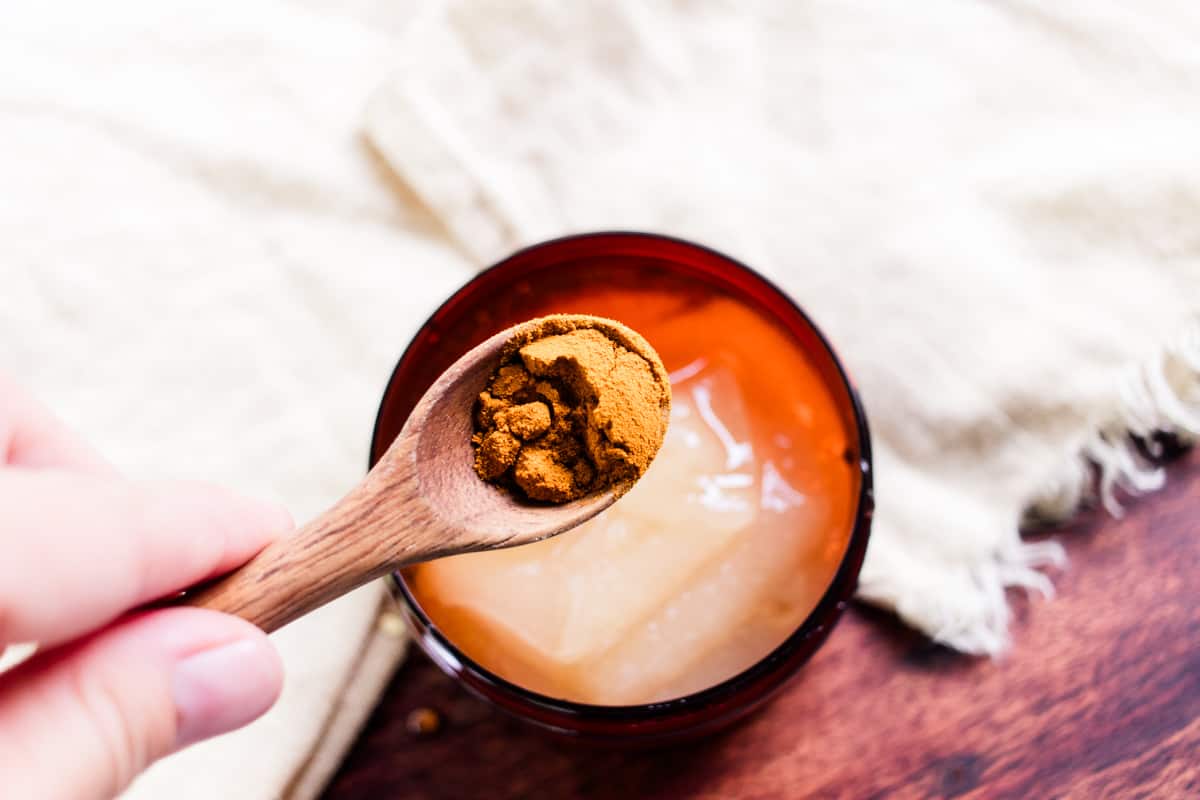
(818, 621)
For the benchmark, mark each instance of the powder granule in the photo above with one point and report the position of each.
(578, 404)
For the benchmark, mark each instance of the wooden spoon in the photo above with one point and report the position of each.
(421, 501)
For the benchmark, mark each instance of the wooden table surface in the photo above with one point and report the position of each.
(1099, 698)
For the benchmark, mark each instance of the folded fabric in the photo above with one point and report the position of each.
(988, 207)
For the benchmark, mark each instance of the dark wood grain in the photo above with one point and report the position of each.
(1100, 698)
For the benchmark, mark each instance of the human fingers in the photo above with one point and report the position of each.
(31, 436)
(80, 550)
(82, 721)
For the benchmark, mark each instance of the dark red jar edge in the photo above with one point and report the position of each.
(665, 717)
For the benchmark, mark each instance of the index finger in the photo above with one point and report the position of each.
(77, 551)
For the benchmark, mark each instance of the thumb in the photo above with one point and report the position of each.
(83, 720)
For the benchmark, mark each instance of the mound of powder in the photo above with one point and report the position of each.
(578, 404)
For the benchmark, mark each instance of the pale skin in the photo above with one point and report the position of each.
(83, 550)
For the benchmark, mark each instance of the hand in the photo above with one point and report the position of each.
(111, 689)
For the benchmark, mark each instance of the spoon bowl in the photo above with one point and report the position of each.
(435, 445)
(422, 500)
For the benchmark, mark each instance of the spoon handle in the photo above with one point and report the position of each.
(373, 530)
(290, 577)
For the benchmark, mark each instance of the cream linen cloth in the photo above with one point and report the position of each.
(204, 269)
(991, 207)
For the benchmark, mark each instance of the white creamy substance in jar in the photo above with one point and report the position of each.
(696, 574)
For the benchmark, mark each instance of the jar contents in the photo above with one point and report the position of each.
(578, 404)
(715, 556)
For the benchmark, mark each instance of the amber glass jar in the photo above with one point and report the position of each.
(599, 274)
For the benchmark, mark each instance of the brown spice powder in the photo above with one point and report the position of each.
(578, 404)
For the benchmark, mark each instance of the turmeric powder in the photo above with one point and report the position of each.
(578, 404)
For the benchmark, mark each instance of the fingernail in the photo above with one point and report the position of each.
(224, 688)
